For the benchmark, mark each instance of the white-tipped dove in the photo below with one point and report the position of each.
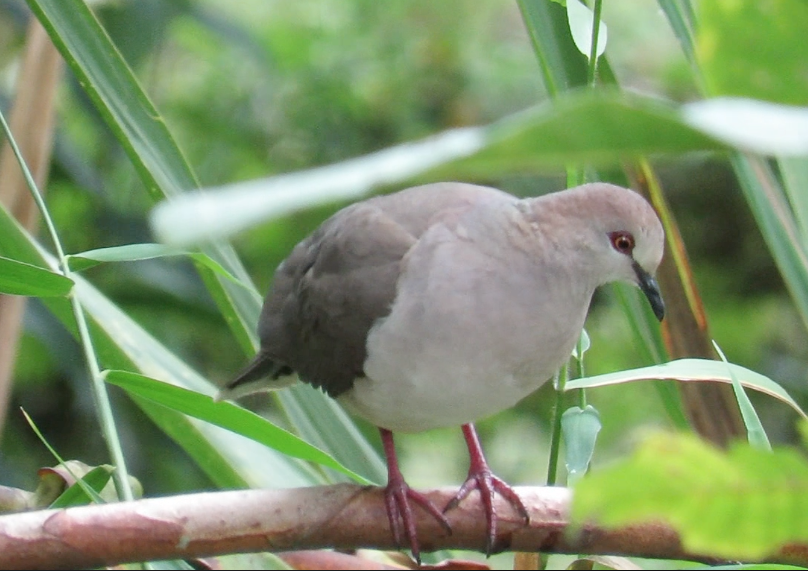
(442, 304)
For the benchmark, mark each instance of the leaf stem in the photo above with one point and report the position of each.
(555, 443)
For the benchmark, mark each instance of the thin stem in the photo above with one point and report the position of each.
(579, 359)
(591, 74)
(575, 176)
(555, 443)
(106, 418)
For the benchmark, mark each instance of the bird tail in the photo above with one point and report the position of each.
(261, 374)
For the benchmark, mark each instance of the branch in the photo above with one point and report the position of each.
(343, 516)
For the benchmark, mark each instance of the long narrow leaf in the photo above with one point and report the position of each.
(75, 495)
(146, 251)
(229, 459)
(779, 229)
(20, 278)
(755, 432)
(227, 416)
(130, 115)
(582, 127)
(692, 370)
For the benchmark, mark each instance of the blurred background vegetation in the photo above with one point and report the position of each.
(259, 87)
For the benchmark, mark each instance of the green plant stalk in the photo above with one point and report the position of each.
(101, 397)
(591, 76)
(579, 359)
(577, 176)
(555, 442)
(160, 164)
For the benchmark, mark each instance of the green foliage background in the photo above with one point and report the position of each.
(254, 88)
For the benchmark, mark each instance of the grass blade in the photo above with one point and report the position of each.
(692, 370)
(754, 429)
(225, 415)
(129, 113)
(19, 278)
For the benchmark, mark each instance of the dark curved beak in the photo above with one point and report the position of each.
(650, 288)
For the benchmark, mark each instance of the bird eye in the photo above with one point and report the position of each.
(623, 242)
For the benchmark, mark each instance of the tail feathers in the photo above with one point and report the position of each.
(261, 374)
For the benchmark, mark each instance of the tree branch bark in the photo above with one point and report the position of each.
(343, 516)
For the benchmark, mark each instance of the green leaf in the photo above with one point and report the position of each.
(75, 495)
(754, 429)
(770, 206)
(563, 67)
(744, 504)
(20, 278)
(682, 21)
(127, 253)
(755, 126)
(146, 251)
(325, 424)
(582, 346)
(580, 18)
(584, 127)
(230, 460)
(579, 428)
(691, 370)
(68, 466)
(225, 415)
(130, 115)
(115, 92)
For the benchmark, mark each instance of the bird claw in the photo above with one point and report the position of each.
(397, 498)
(487, 484)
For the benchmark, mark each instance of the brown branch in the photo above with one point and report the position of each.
(344, 516)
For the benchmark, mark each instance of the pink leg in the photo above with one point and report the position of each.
(481, 478)
(397, 498)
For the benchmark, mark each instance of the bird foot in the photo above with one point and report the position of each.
(483, 480)
(397, 497)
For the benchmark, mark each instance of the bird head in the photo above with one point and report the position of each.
(635, 238)
(615, 233)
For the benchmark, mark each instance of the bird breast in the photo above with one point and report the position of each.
(468, 335)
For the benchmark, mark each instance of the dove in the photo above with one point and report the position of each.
(445, 303)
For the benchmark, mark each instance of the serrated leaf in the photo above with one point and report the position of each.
(743, 504)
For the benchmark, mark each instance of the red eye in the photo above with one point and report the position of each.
(623, 242)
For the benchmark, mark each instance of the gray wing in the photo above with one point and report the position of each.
(340, 280)
(329, 292)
